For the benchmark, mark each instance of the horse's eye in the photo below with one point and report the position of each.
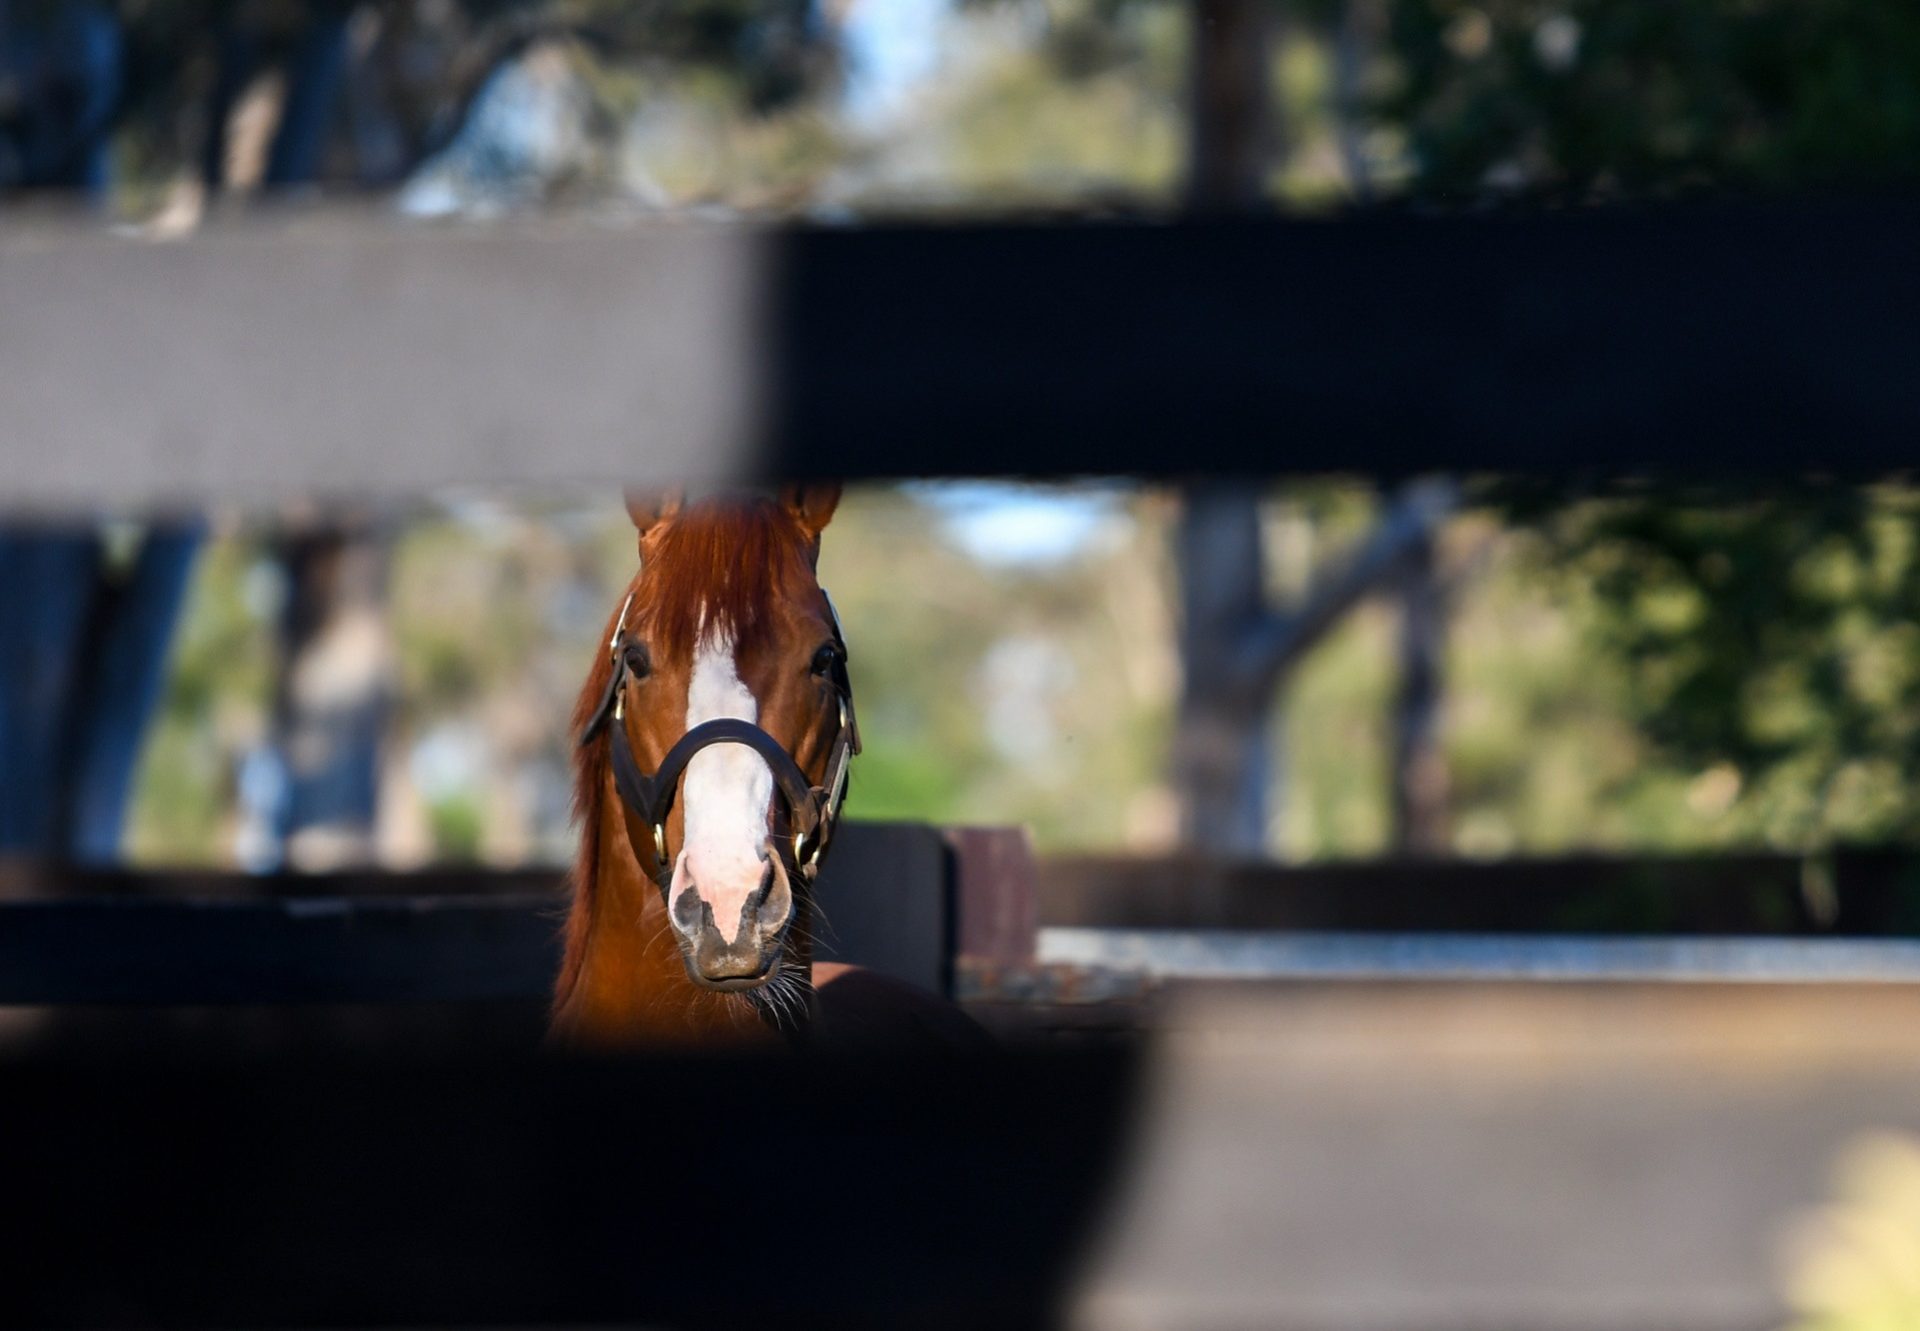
(824, 658)
(639, 662)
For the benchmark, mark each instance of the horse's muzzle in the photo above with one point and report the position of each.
(747, 959)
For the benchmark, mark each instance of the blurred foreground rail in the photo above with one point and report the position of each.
(178, 1186)
(342, 353)
(1354, 1157)
(317, 1101)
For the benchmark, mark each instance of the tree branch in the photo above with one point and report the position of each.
(1272, 645)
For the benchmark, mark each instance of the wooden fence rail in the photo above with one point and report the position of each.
(892, 897)
(970, 912)
(1864, 892)
(1736, 340)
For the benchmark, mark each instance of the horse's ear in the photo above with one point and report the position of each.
(650, 508)
(812, 504)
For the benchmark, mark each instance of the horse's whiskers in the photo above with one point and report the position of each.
(819, 914)
(783, 1000)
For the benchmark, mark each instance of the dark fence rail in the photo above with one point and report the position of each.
(1741, 341)
(308, 950)
(1710, 339)
(889, 894)
(1867, 893)
(925, 904)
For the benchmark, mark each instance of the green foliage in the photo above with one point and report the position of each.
(214, 707)
(1054, 104)
(1621, 674)
(1760, 646)
(458, 827)
(497, 613)
(1019, 135)
(1773, 639)
(1681, 672)
(1579, 98)
(1005, 693)
(416, 67)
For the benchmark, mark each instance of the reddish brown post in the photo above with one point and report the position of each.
(996, 917)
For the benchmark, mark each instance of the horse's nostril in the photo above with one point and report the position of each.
(774, 901)
(690, 913)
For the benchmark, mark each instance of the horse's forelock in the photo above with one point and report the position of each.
(719, 569)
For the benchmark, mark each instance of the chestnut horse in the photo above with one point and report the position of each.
(715, 731)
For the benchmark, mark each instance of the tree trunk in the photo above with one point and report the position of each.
(83, 652)
(120, 682)
(1235, 649)
(316, 72)
(1222, 761)
(1419, 766)
(334, 693)
(1230, 126)
(1222, 764)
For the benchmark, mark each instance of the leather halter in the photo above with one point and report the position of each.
(812, 811)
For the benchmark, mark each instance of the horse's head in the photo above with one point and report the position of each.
(727, 623)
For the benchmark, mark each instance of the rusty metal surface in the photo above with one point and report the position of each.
(986, 980)
(995, 905)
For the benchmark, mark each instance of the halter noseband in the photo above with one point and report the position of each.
(812, 810)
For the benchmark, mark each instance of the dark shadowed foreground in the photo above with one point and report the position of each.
(190, 1190)
(1353, 1156)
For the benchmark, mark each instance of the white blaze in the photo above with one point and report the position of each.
(726, 793)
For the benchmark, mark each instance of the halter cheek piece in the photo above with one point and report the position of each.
(812, 811)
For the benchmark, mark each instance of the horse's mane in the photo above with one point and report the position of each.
(716, 567)
(590, 764)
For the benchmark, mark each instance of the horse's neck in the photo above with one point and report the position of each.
(631, 986)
